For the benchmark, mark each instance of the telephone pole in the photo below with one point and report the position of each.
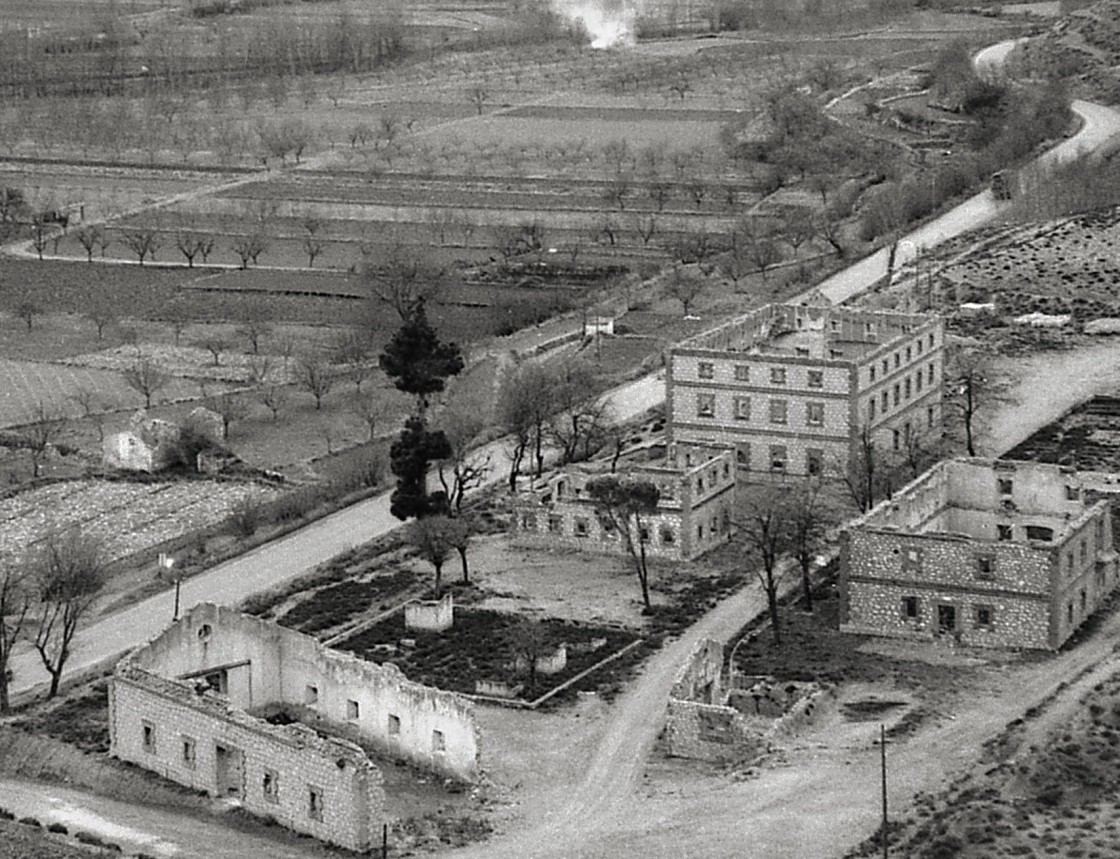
(883, 759)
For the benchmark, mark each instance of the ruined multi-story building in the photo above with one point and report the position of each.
(795, 389)
(697, 494)
(989, 552)
(191, 706)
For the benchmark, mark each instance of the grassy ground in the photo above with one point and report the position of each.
(29, 841)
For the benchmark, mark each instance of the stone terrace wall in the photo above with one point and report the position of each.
(168, 728)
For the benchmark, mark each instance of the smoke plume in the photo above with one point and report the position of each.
(609, 23)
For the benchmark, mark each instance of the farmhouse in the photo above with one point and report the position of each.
(191, 704)
(794, 388)
(697, 486)
(988, 552)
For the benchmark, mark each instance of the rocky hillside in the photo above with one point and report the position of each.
(1083, 48)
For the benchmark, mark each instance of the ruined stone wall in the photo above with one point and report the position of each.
(430, 728)
(203, 742)
(434, 616)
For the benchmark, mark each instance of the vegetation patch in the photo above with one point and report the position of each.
(488, 646)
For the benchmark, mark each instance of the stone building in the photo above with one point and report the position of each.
(190, 705)
(697, 486)
(988, 552)
(791, 388)
(709, 721)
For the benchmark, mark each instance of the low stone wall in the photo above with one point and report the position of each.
(430, 615)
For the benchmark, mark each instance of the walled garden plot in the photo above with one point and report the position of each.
(481, 647)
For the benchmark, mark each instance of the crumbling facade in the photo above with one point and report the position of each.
(186, 706)
(152, 444)
(697, 495)
(707, 722)
(797, 389)
(986, 552)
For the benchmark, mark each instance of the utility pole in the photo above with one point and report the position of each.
(883, 759)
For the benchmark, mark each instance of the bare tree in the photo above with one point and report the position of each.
(16, 596)
(27, 311)
(314, 376)
(763, 526)
(527, 641)
(645, 226)
(38, 433)
(88, 237)
(973, 386)
(685, 287)
(478, 95)
(808, 518)
(93, 409)
(215, 346)
(146, 378)
(177, 316)
(101, 310)
(313, 244)
(434, 538)
(274, 398)
(525, 402)
(230, 408)
(189, 245)
(249, 247)
(255, 317)
(660, 192)
(624, 505)
(143, 242)
(403, 280)
(461, 421)
(368, 408)
(69, 572)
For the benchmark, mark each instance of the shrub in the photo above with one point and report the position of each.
(57, 827)
(30, 821)
(245, 516)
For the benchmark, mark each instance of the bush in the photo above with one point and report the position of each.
(245, 516)
(30, 821)
(57, 827)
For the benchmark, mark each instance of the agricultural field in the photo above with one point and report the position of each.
(125, 517)
(1087, 437)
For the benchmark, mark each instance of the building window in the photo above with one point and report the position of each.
(985, 567)
(777, 411)
(528, 521)
(315, 803)
(742, 373)
(1083, 600)
(897, 393)
(555, 524)
(816, 378)
(743, 454)
(148, 737)
(814, 461)
(311, 695)
(1072, 493)
(643, 534)
(742, 408)
(700, 532)
(705, 405)
(1004, 532)
(190, 754)
(907, 354)
(918, 382)
(814, 414)
(777, 375)
(929, 417)
(906, 384)
(778, 458)
(896, 439)
(984, 616)
(886, 402)
(931, 340)
(912, 559)
(1099, 528)
(871, 409)
(1006, 485)
(1084, 551)
(705, 370)
(439, 742)
(930, 374)
(668, 536)
(270, 786)
(886, 367)
(394, 725)
(581, 527)
(910, 608)
(699, 484)
(871, 374)
(897, 360)
(1069, 613)
(919, 344)
(352, 710)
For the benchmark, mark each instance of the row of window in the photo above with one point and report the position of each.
(910, 352)
(777, 375)
(983, 616)
(777, 411)
(778, 461)
(902, 391)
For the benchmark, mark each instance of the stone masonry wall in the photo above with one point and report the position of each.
(168, 728)
(430, 728)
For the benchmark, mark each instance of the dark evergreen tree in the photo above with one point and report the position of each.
(417, 361)
(410, 457)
